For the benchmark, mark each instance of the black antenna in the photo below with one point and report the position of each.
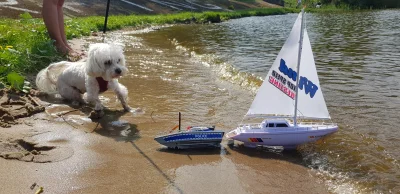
(179, 121)
(105, 21)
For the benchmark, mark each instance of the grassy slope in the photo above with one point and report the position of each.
(32, 49)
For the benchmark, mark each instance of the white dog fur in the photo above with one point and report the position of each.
(105, 62)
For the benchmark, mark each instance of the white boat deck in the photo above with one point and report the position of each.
(303, 126)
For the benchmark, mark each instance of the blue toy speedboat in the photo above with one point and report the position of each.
(193, 137)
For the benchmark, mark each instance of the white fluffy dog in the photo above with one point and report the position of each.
(105, 63)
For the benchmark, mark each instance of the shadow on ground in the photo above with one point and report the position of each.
(111, 126)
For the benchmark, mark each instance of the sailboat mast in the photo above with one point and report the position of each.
(298, 67)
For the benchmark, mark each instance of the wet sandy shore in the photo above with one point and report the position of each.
(82, 161)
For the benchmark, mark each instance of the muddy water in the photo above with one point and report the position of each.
(357, 56)
(210, 73)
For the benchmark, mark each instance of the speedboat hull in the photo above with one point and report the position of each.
(289, 137)
(191, 139)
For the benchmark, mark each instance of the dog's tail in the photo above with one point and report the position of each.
(46, 79)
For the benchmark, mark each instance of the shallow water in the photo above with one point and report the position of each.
(211, 73)
(357, 56)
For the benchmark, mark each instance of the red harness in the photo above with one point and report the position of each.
(103, 84)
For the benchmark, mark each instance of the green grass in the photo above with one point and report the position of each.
(33, 50)
(310, 4)
(29, 49)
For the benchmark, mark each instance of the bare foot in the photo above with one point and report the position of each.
(69, 47)
(61, 48)
(65, 49)
(75, 56)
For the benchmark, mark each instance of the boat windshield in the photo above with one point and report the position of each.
(281, 125)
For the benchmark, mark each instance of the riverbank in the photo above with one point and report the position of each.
(362, 157)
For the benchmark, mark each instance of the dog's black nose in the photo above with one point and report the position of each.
(118, 71)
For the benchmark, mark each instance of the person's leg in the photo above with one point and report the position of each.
(50, 18)
(61, 23)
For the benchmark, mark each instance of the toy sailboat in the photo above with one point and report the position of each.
(286, 95)
(192, 137)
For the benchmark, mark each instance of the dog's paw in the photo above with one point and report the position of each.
(136, 111)
(127, 109)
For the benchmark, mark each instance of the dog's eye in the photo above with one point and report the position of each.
(107, 62)
(119, 60)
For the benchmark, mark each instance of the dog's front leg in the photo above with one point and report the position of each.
(121, 92)
(92, 90)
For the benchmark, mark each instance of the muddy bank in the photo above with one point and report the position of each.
(20, 149)
(104, 161)
(15, 105)
(38, 150)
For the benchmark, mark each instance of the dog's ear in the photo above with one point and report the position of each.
(119, 51)
(119, 47)
(93, 67)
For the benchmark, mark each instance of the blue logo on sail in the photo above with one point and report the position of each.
(304, 84)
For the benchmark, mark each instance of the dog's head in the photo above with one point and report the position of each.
(106, 61)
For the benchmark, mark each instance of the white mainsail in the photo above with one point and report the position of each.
(276, 95)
